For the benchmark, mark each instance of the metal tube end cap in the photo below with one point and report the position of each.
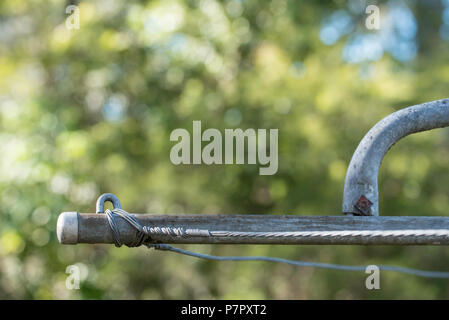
(67, 228)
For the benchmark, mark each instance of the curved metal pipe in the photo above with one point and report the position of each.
(360, 196)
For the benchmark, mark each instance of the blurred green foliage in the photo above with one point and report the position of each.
(90, 110)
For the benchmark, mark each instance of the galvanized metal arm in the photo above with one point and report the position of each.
(74, 228)
(361, 195)
(360, 198)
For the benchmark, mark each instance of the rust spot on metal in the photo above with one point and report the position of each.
(363, 205)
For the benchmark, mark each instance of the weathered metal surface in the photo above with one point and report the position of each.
(361, 177)
(94, 228)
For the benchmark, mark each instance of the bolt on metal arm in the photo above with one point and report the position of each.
(360, 196)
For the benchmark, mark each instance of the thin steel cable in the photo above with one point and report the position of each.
(114, 228)
(416, 272)
(340, 233)
(144, 236)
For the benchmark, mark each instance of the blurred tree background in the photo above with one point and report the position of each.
(90, 110)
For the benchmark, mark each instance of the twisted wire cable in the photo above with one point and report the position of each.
(145, 235)
(444, 233)
(166, 231)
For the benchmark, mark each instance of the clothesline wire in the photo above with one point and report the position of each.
(416, 272)
(144, 234)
